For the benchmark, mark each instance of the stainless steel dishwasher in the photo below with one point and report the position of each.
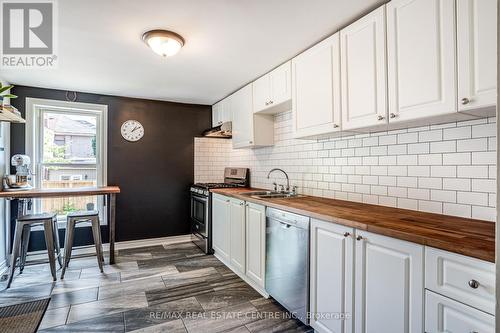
(287, 261)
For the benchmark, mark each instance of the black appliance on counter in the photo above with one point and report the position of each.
(201, 205)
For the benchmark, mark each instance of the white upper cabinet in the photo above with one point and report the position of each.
(316, 89)
(272, 92)
(421, 58)
(477, 53)
(221, 112)
(363, 72)
(389, 280)
(249, 130)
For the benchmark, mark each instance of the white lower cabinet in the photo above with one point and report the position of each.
(239, 238)
(237, 231)
(389, 284)
(220, 226)
(256, 243)
(444, 315)
(332, 261)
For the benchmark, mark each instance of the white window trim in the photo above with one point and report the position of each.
(33, 114)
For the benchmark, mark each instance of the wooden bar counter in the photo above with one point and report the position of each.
(108, 191)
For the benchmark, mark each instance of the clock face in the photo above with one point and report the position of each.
(132, 130)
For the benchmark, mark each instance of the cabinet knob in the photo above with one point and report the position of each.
(267, 103)
(346, 234)
(393, 115)
(465, 101)
(474, 284)
(250, 142)
(228, 200)
(380, 117)
(359, 238)
(242, 203)
(270, 102)
(335, 126)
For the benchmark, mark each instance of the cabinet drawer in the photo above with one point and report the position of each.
(446, 315)
(465, 279)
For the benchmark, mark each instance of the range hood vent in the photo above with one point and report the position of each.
(223, 131)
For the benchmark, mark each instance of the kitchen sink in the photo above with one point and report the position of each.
(271, 194)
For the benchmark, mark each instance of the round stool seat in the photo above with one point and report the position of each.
(84, 213)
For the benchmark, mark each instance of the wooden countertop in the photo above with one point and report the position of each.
(60, 192)
(474, 238)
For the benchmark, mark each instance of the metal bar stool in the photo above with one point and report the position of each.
(91, 216)
(21, 240)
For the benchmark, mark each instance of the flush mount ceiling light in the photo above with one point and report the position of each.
(163, 42)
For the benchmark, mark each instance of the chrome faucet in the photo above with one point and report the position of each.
(286, 175)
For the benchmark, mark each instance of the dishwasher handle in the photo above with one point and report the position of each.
(288, 219)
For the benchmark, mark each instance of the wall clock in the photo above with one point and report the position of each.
(132, 130)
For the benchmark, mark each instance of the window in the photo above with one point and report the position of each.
(67, 144)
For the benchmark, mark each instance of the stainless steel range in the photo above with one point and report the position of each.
(201, 205)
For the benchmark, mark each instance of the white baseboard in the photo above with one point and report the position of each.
(89, 249)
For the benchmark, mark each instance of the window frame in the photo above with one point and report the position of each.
(35, 108)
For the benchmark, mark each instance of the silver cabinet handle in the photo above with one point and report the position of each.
(380, 118)
(474, 284)
(270, 102)
(346, 234)
(393, 115)
(465, 101)
(267, 103)
(359, 238)
(335, 126)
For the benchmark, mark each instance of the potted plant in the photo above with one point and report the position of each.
(8, 112)
(4, 90)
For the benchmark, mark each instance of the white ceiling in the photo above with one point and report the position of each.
(228, 44)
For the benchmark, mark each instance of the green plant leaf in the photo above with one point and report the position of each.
(2, 89)
(10, 96)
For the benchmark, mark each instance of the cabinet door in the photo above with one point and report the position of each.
(216, 114)
(331, 276)
(256, 242)
(241, 104)
(261, 93)
(443, 315)
(280, 83)
(421, 58)
(237, 231)
(220, 226)
(316, 89)
(363, 72)
(389, 286)
(226, 112)
(477, 53)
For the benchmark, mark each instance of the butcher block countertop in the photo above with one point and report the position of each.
(474, 238)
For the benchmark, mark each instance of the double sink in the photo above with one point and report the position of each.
(271, 194)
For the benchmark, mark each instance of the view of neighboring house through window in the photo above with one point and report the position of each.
(68, 149)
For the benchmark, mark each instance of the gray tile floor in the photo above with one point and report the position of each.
(169, 288)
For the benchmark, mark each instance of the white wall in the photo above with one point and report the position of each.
(448, 169)
(4, 158)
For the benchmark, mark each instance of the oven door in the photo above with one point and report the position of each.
(199, 214)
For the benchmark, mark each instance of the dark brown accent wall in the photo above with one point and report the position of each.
(154, 174)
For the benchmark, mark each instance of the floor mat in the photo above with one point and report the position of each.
(23, 317)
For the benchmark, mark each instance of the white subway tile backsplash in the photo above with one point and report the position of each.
(463, 132)
(472, 145)
(447, 168)
(426, 136)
